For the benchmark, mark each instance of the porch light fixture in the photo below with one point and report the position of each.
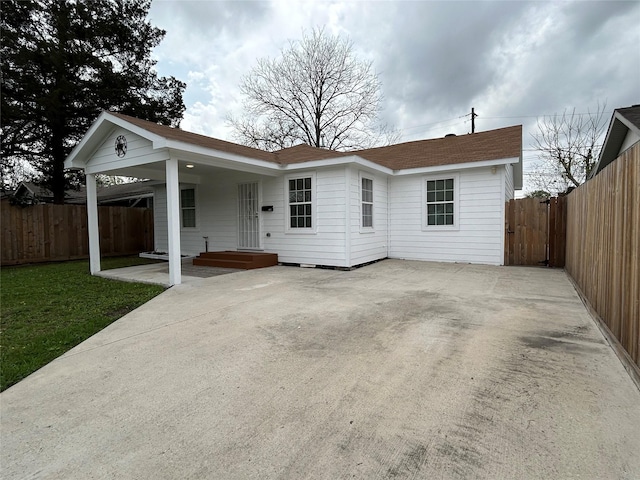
(189, 165)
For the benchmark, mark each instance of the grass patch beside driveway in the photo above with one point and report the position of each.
(48, 309)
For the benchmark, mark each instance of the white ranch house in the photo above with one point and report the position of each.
(440, 200)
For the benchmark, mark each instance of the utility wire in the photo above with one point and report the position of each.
(550, 115)
(434, 123)
(493, 118)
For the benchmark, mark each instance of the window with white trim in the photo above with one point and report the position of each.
(366, 197)
(188, 207)
(440, 202)
(300, 203)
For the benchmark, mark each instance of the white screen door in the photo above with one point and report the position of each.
(248, 216)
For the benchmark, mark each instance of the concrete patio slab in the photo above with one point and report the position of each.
(158, 273)
(395, 370)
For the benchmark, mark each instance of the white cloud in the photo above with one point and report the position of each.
(436, 59)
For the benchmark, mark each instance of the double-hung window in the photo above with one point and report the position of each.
(366, 197)
(440, 202)
(188, 207)
(300, 203)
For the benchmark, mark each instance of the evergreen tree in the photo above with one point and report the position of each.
(63, 62)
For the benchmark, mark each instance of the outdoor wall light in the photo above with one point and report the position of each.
(493, 169)
(189, 165)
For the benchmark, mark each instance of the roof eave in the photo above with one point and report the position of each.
(457, 166)
(338, 161)
(175, 147)
(618, 128)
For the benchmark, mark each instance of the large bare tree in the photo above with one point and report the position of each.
(317, 92)
(568, 148)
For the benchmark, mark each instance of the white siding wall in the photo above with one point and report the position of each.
(216, 214)
(481, 223)
(327, 245)
(508, 183)
(136, 147)
(478, 239)
(216, 217)
(367, 244)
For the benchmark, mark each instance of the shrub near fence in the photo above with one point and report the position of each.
(603, 247)
(45, 232)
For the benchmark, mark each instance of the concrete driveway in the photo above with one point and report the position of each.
(396, 370)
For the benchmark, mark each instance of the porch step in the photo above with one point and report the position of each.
(230, 259)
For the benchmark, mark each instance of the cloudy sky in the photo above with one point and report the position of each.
(512, 61)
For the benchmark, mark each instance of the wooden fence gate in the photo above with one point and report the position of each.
(535, 232)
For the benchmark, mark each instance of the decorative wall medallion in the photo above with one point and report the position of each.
(121, 146)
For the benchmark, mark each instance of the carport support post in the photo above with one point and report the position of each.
(173, 221)
(92, 224)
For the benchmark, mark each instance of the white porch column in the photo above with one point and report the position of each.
(92, 224)
(173, 221)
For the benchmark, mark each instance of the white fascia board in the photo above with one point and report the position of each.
(338, 161)
(70, 161)
(457, 166)
(178, 147)
(137, 130)
(216, 162)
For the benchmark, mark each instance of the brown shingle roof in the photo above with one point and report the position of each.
(178, 135)
(306, 153)
(631, 113)
(475, 147)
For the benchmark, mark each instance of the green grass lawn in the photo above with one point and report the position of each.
(48, 309)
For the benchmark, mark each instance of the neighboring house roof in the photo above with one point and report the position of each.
(124, 191)
(624, 121)
(107, 194)
(29, 192)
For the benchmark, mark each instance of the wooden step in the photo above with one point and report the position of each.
(235, 255)
(231, 259)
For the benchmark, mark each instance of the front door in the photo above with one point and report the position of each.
(248, 216)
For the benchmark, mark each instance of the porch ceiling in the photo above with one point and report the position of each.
(194, 174)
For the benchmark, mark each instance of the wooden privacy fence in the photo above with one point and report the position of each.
(603, 248)
(535, 232)
(43, 233)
